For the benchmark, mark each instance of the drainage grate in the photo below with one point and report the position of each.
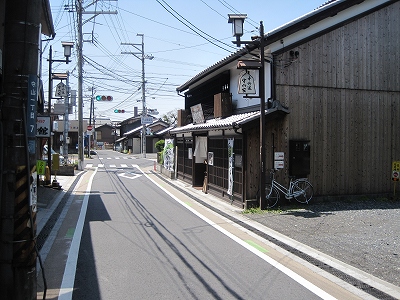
(343, 276)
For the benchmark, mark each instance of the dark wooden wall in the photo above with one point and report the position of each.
(343, 92)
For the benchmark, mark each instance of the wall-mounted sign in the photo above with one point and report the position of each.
(197, 114)
(32, 102)
(210, 158)
(279, 164)
(279, 160)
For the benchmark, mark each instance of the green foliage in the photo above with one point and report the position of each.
(160, 145)
(257, 210)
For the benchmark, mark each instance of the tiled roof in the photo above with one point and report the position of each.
(137, 129)
(164, 131)
(234, 121)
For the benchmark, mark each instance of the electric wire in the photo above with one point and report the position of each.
(196, 30)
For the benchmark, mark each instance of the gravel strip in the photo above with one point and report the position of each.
(362, 233)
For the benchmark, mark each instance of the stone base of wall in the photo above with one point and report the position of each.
(164, 171)
(64, 171)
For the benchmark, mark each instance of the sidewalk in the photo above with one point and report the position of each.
(48, 198)
(355, 235)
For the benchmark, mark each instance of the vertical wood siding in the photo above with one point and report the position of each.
(344, 96)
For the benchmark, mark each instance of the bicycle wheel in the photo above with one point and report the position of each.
(302, 190)
(271, 196)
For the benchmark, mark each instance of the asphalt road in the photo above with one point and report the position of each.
(138, 242)
(123, 233)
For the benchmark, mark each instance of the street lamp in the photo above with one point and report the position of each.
(67, 50)
(67, 53)
(237, 21)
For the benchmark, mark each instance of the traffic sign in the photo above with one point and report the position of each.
(90, 127)
(396, 171)
(147, 120)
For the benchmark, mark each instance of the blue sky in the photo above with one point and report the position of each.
(169, 36)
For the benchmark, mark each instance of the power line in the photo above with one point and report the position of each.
(173, 12)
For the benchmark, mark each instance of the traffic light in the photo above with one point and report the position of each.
(104, 98)
(119, 110)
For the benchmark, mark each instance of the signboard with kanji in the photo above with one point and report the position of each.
(41, 167)
(396, 171)
(43, 126)
(32, 103)
(61, 90)
(247, 82)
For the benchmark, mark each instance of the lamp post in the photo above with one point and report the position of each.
(67, 53)
(237, 21)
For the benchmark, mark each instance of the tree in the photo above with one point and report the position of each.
(171, 117)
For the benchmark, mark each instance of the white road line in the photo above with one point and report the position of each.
(89, 165)
(67, 284)
(100, 165)
(124, 166)
(296, 277)
(113, 166)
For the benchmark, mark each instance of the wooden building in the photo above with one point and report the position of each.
(131, 132)
(332, 78)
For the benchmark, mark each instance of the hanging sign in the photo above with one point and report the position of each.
(247, 83)
(42, 126)
(61, 90)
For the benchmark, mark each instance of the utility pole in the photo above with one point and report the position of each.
(142, 57)
(66, 120)
(80, 85)
(90, 118)
(18, 150)
(80, 11)
(144, 107)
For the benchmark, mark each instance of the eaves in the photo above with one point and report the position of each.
(325, 12)
(231, 122)
(46, 20)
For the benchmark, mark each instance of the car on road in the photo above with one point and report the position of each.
(45, 155)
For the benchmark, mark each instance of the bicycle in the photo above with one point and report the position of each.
(299, 189)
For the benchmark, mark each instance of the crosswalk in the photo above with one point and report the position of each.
(103, 163)
(118, 166)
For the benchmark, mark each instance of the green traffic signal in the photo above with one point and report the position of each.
(98, 98)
